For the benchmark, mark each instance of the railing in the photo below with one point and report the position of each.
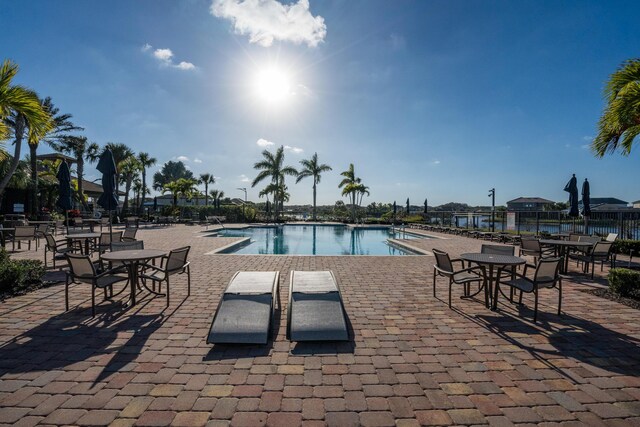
(625, 223)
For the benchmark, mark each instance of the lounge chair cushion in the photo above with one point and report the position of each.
(242, 319)
(309, 282)
(251, 282)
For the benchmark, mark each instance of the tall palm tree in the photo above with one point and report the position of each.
(272, 166)
(20, 112)
(129, 170)
(146, 161)
(81, 149)
(183, 187)
(311, 168)
(61, 125)
(206, 179)
(349, 187)
(620, 122)
(121, 152)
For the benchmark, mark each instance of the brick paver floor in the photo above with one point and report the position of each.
(412, 360)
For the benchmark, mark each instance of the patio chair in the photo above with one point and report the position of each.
(315, 311)
(124, 246)
(82, 270)
(601, 253)
(532, 247)
(547, 275)
(465, 276)
(56, 247)
(104, 222)
(245, 309)
(107, 238)
(611, 237)
(174, 263)
(24, 233)
(129, 234)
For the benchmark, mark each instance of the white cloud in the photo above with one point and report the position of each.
(267, 20)
(296, 150)
(182, 158)
(197, 160)
(587, 138)
(165, 57)
(264, 143)
(436, 162)
(585, 146)
(244, 178)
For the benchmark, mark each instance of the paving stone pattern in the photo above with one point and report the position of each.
(412, 361)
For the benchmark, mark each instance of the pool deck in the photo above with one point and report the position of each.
(413, 361)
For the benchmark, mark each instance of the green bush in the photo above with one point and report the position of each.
(624, 282)
(625, 246)
(17, 276)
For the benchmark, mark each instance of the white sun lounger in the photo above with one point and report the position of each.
(245, 310)
(315, 311)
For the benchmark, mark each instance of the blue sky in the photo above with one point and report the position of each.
(429, 99)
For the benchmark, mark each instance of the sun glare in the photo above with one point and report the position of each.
(272, 85)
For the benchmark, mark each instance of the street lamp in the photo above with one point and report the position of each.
(492, 194)
(244, 217)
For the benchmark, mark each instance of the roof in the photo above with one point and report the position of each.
(56, 156)
(530, 200)
(607, 201)
(610, 207)
(637, 201)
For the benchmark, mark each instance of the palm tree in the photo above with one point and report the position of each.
(129, 169)
(137, 188)
(350, 184)
(272, 166)
(60, 125)
(312, 168)
(183, 187)
(146, 161)
(120, 153)
(620, 123)
(80, 148)
(206, 179)
(20, 112)
(216, 195)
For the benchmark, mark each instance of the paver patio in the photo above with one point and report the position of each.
(412, 360)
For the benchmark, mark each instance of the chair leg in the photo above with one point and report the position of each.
(520, 299)
(450, 285)
(188, 281)
(167, 291)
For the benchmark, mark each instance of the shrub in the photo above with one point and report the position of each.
(16, 276)
(625, 247)
(624, 282)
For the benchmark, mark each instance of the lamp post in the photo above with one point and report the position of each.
(492, 194)
(244, 217)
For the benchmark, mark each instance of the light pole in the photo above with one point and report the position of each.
(244, 217)
(492, 194)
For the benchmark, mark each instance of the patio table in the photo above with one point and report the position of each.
(562, 247)
(492, 261)
(131, 259)
(83, 236)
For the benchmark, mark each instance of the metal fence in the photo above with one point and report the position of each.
(625, 223)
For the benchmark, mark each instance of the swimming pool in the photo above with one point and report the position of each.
(318, 240)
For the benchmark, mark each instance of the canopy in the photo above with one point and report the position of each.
(64, 178)
(107, 166)
(572, 189)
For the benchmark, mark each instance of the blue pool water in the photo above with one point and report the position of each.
(318, 240)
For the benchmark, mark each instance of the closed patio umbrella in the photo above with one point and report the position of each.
(155, 204)
(426, 206)
(408, 206)
(108, 199)
(586, 204)
(572, 189)
(395, 210)
(64, 190)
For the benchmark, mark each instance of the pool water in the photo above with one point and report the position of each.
(318, 240)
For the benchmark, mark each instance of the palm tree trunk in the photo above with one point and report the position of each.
(314, 200)
(19, 132)
(33, 148)
(144, 190)
(206, 193)
(125, 204)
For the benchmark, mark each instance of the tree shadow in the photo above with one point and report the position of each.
(74, 337)
(567, 337)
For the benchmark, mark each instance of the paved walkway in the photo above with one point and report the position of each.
(412, 361)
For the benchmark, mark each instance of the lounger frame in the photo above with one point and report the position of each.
(275, 293)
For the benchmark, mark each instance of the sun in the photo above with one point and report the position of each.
(272, 85)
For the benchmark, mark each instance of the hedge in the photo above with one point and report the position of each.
(624, 282)
(625, 246)
(18, 276)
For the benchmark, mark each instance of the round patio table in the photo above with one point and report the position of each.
(492, 261)
(83, 236)
(131, 259)
(562, 247)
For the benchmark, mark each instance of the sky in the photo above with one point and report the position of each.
(438, 99)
